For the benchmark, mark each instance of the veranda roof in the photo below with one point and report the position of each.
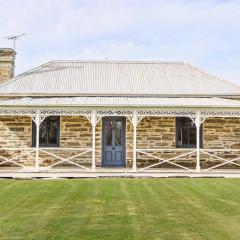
(118, 78)
(120, 101)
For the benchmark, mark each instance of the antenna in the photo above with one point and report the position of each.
(14, 38)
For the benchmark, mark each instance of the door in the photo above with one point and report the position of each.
(113, 142)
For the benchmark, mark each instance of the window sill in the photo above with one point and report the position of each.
(187, 146)
(46, 146)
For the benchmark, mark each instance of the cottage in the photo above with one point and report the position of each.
(118, 118)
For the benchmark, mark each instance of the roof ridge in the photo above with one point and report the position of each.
(117, 61)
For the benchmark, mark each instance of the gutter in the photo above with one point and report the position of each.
(235, 95)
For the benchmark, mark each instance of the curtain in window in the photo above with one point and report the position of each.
(186, 132)
(49, 132)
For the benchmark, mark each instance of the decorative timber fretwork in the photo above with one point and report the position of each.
(67, 112)
(41, 118)
(10, 111)
(226, 113)
(164, 112)
(101, 112)
(114, 112)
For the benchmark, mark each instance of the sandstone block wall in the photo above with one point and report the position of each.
(221, 133)
(16, 132)
(77, 132)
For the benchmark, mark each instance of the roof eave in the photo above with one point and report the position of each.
(226, 95)
(123, 106)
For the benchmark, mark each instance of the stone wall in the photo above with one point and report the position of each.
(221, 133)
(77, 132)
(155, 133)
(152, 132)
(16, 132)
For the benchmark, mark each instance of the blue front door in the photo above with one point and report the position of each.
(113, 142)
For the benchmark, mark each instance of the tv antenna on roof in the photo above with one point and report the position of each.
(14, 38)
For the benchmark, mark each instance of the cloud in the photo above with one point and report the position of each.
(205, 33)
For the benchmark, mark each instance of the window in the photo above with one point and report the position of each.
(49, 132)
(186, 133)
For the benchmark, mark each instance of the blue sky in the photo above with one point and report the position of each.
(204, 33)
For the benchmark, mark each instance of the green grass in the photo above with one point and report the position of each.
(120, 209)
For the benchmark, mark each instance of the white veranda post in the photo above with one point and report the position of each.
(93, 122)
(198, 122)
(37, 122)
(134, 123)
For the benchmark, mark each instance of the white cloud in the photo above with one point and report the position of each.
(205, 33)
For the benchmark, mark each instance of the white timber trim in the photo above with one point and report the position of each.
(135, 120)
(13, 159)
(120, 111)
(198, 120)
(93, 122)
(161, 160)
(37, 120)
(224, 160)
(69, 159)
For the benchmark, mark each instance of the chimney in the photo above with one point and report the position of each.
(7, 64)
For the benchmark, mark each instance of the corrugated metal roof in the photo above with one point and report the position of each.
(121, 101)
(118, 78)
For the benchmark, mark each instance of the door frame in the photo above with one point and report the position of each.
(123, 140)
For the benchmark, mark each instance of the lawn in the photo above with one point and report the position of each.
(120, 209)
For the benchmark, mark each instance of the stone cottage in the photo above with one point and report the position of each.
(117, 118)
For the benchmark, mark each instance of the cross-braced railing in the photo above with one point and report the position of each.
(66, 157)
(225, 158)
(62, 156)
(156, 155)
(15, 156)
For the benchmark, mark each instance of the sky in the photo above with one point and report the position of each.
(205, 33)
